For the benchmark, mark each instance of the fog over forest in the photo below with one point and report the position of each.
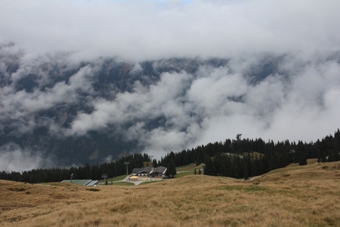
(275, 72)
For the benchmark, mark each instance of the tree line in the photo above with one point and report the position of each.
(243, 158)
(239, 158)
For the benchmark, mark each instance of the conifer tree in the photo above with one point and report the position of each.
(171, 168)
(303, 159)
(209, 167)
(301, 152)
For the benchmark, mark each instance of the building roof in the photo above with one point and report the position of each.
(146, 170)
(92, 183)
(159, 170)
(149, 170)
(136, 170)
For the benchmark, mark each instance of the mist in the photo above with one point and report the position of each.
(13, 158)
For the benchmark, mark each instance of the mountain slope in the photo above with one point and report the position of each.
(56, 111)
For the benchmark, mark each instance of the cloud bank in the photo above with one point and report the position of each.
(215, 104)
(143, 30)
(296, 101)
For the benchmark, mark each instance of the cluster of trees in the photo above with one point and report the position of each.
(240, 158)
(247, 157)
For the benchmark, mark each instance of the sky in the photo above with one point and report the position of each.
(198, 108)
(141, 29)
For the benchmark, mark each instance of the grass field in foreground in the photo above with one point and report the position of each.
(292, 196)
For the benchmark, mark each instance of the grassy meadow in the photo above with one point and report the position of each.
(292, 196)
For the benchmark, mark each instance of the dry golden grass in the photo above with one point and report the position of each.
(292, 196)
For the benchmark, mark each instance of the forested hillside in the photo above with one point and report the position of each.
(240, 158)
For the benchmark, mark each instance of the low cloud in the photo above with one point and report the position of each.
(180, 110)
(14, 158)
(21, 106)
(214, 104)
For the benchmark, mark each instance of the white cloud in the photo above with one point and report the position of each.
(144, 103)
(144, 29)
(214, 104)
(13, 158)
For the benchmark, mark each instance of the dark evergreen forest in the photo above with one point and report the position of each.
(239, 158)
